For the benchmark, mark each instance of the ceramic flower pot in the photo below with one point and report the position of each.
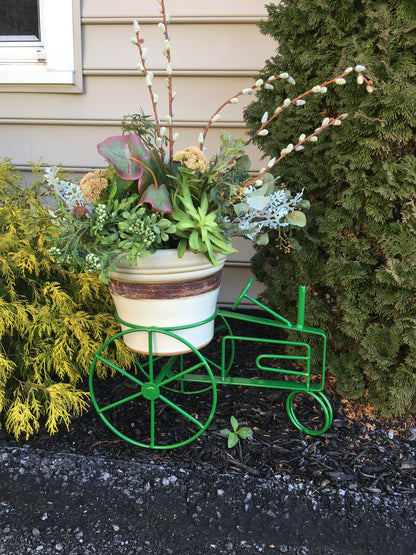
(167, 292)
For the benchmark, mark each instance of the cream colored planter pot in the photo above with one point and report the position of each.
(166, 291)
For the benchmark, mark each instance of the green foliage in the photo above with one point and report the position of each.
(196, 225)
(236, 433)
(51, 321)
(142, 126)
(358, 250)
(128, 207)
(120, 230)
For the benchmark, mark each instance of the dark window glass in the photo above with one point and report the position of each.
(19, 20)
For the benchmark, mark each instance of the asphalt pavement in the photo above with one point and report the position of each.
(79, 505)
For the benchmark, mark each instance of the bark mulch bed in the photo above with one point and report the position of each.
(358, 452)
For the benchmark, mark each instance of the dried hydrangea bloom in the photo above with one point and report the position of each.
(192, 158)
(101, 173)
(92, 184)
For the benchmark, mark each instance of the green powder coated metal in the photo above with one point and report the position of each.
(150, 391)
(159, 379)
(322, 400)
(301, 306)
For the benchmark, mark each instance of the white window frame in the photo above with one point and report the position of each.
(52, 63)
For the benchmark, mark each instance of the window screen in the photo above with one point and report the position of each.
(19, 20)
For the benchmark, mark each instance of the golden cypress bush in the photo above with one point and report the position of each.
(52, 321)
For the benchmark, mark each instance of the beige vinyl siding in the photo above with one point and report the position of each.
(178, 8)
(217, 50)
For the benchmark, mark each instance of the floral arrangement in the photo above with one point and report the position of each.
(152, 197)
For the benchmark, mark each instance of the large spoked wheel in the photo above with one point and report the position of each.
(147, 404)
(321, 402)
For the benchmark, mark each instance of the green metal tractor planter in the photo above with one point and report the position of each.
(170, 400)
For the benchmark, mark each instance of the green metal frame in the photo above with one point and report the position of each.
(155, 384)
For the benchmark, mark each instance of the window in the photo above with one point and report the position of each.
(40, 45)
(19, 20)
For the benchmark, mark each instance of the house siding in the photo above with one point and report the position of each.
(217, 50)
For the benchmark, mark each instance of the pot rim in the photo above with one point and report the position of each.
(165, 262)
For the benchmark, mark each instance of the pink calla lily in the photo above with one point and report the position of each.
(158, 198)
(119, 152)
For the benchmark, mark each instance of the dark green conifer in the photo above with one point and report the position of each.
(358, 251)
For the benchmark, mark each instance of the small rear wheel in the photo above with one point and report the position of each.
(146, 404)
(321, 402)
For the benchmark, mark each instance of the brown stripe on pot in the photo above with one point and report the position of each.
(165, 290)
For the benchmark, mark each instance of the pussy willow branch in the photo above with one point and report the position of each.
(139, 42)
(279, 111)
(170, 87)
(229, 101)
(332, 121)
(300, 97)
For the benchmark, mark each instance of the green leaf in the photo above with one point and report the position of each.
(181, 248)
(189, 207)
(294, 244)
(234, 423)
(204, 205)
(257, 201)
(240, 208)
(296, 218)
(195, 242)
(304, 204)
(113, 191)
(204, 234)
(184, 224)
(225, 432)
(245, 432)
(220, 245)
(268, 182)
(232, 440)
(243, 163)
(180, 216)
(210, 252)
(155, 164)
(262, 239)
(210, 219)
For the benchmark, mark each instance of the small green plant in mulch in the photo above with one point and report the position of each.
(236, 433)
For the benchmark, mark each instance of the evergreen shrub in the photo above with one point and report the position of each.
(51, 321)
(357, 252)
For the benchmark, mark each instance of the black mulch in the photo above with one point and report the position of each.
(358, 452)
